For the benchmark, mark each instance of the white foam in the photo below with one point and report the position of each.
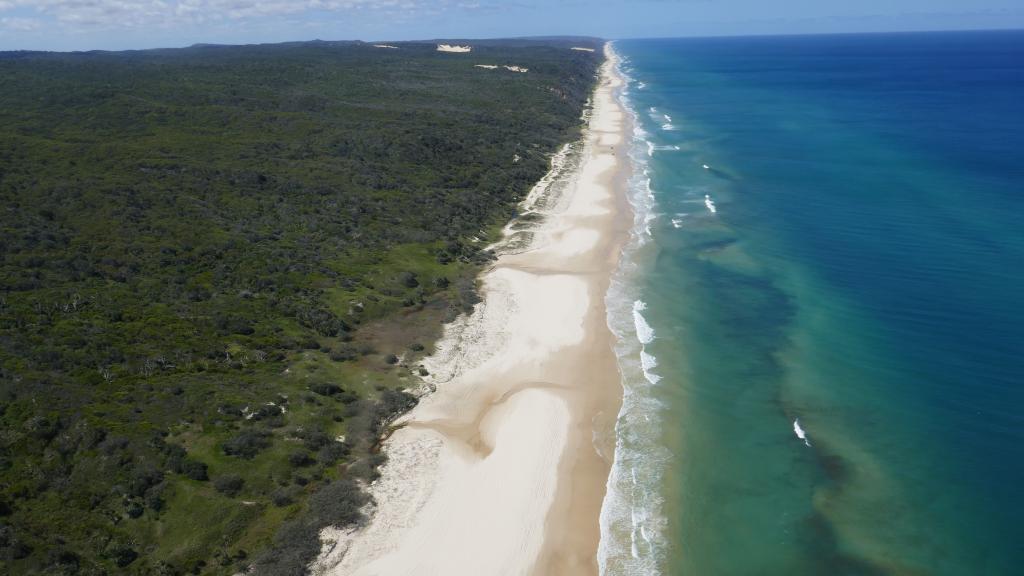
(665, 119)
(648, 218)
(633, 528)
(644, 332)
(652, 148)
(633, 549)
(643, 208)
(668, 127)
(648, 362)
(800, 432)
(639, 132)
(710, 204)
(647, 185)
(677, 222)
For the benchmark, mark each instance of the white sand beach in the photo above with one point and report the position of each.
(502, 469)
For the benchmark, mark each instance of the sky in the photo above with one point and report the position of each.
(131, 24)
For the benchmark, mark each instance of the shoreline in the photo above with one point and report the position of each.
(503, 468)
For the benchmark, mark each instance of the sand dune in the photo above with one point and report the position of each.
(456, 49)
(519, 69)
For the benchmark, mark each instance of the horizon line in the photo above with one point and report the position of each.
(535, 38)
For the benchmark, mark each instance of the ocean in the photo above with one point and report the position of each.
(821, 311)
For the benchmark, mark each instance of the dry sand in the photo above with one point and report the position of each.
(455, 49)
(519, 69)
(502, 470)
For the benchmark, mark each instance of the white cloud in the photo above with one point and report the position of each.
(19, 24)
(114, 14)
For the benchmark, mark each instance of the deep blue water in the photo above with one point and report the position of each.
(862, 273)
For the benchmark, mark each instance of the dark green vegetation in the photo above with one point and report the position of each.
(218, 267)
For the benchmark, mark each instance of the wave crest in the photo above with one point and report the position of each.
(633, 529)
(644, 332)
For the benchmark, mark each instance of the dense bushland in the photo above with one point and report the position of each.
(218, 266)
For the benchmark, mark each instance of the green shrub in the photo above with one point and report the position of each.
(248, 443)
(195, 470)
(282, 497)
(344, 353)
(325, 389)
(229, 484)
(300, 459)
(333, 452)
(408, 280)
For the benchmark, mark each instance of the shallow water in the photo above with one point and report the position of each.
(822, 310)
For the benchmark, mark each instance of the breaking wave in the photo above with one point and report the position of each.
(633, 538)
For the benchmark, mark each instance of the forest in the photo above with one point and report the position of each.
(220, 267)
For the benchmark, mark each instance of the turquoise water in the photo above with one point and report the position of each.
(829, 243)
